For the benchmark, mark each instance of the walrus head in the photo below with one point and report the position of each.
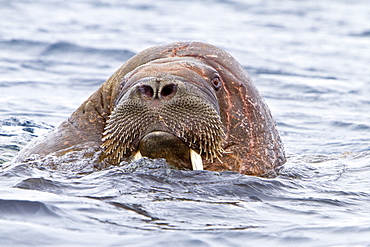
(168, 109)
(186, 102)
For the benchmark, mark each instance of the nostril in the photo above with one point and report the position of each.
(146, 91)
(168, 90)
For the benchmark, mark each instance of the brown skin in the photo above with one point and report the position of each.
(251, 142)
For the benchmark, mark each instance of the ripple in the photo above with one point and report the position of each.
(65, 50)
(24, 122)
(349, 125)
(23, 208)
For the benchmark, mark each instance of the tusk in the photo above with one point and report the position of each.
(196, 160)
(137, 156)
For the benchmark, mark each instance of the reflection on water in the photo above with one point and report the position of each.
(308, 59)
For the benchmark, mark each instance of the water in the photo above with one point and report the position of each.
(310, 60)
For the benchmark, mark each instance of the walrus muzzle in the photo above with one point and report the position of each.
(165, 116)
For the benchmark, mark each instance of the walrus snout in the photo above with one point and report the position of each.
(164, 116)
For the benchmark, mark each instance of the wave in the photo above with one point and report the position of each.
(24, 208)
(64, 50)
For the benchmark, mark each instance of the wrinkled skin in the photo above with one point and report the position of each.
(248, 143)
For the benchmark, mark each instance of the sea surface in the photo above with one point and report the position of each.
(309, 59)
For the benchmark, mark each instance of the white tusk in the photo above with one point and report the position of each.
(196, 160)
(137, 156)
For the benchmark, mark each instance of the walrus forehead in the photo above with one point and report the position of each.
(190, 68)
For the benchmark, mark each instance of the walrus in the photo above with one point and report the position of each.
(190, 103)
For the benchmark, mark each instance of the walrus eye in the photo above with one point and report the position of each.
(216, 82)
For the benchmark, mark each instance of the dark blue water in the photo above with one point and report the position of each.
(310, 60)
